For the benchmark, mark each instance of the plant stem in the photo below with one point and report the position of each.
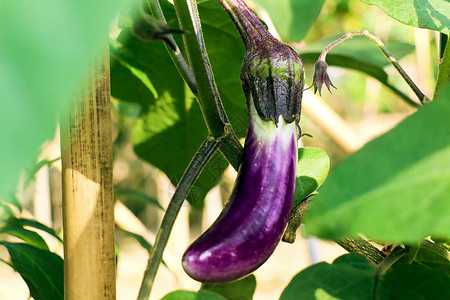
(443, 78)
(208, 94)
(176, 56)
(361, 246)
(201, 157)
(217, 126)
(387, 263)
(386, 53)
(435, 249)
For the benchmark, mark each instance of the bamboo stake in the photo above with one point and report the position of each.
(88, 201)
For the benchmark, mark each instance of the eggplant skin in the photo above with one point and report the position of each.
(255, 217)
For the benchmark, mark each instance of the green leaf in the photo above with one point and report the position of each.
(312, 170)
(187, 295)
(242, 289)
(351, 276)
(28, 236)
(428, 259)
(6, 207)
(171, 127)
(393, 188)
(411, 281)
(43, 55)
(137, 196)
(292, 18)
(39, 166)
(431, 14)
(42, 270)
(38, 225)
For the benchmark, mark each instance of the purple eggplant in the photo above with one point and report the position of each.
(251, 225)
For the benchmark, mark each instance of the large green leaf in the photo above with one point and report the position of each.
(394, 188)
(412, 281)
(429, 259)
(171, 127)
(351, 276)
(28, 236)
(242, 289)
(42, 270)
(44, 50)
(431, 14)
(37, 225)
(292, 18)
(312, 170)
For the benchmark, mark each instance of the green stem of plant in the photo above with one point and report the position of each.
(361, 246)
(435, 249)
(386, 53)
(176, 56)
(208, 95)
(443, 78)
(387, 263)
(201, 157)
(209, 100)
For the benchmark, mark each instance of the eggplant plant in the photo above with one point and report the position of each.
(197, 77)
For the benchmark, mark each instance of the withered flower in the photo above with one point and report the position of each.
(321, 77)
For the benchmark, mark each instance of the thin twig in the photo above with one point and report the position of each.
(386, 53)
(201, 157)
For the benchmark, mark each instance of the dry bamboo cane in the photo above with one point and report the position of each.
(88, 202)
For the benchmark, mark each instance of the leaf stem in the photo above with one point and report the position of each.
(208, 94)
(176, 56)
(435, 249)
(386, 53)
(201, 157)
(387, 263)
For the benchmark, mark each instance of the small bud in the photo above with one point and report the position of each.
(148, 29)
(321, 77)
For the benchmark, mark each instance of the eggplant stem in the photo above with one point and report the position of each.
(201, 157)
(422, 98)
